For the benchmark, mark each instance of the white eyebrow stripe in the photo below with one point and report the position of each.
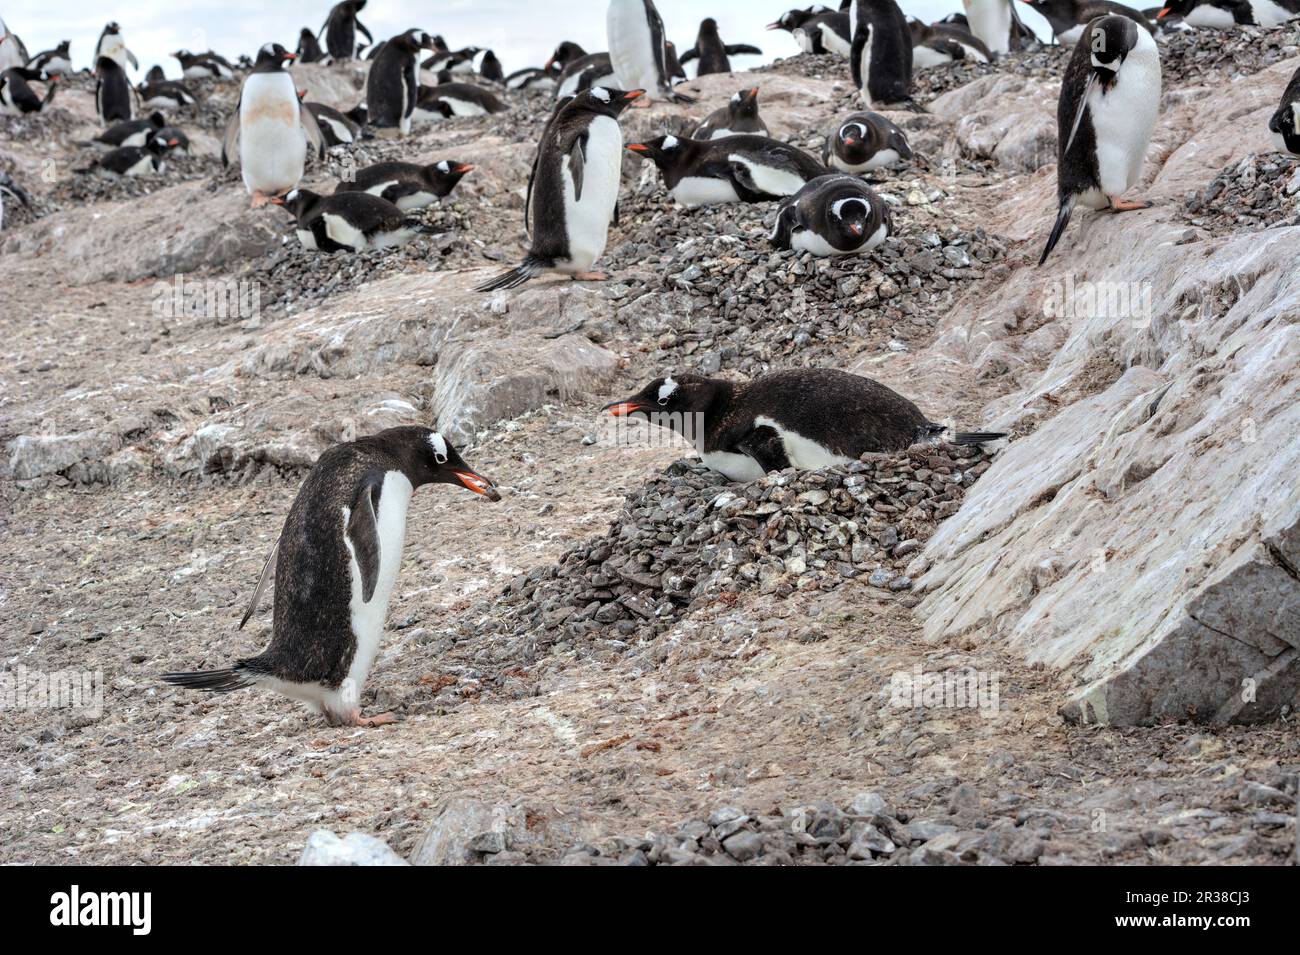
(670, 142)
(439, 445)
(667, 388)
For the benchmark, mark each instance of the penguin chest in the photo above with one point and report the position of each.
(926, 57)
(631, 47)
(800, 451)
(833, 42)
(1212, 17)
(990, 21)
(272, 145)
(587, 218)
(1267, 13)
(693, 191)
(1124, 117)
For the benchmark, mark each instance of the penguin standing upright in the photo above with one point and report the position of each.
(393, 85)
(309, 50)
(335, 564)
(712, 52)
(573, 187)
(1285, 123)
(12, 53)
(340, 30)
(991, 21)
(636, 49)
(269, 126)
(832, 215)
(1110, 95)
(112, 45)
(490, 68)
(112, 91)
(881, 58)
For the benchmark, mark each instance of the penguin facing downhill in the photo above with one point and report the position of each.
(335, 563)
(393, 85)
(636, 49)
(112, 91)
(272, 128)
(739, 116)
(832, 215)
(1285, 123)
(1110, 95)
(712, 52)
(881, 58)
(340, 30)
(573, 187)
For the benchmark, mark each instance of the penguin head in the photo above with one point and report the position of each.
(664, 151)
(296, 201)
(174, 138)
(443, 175)
(850, 218)
(791, 21)
(604, 100)
(670, 395)
(160, 142)
(413, 40)
(112, 27)
(744, 104)
(564, 54)
(1285, 127)
(1177, 8)
(433, 460)
(1110, 40)
(708, 26)
(272, 58)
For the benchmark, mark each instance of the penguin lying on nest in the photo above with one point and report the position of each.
(832, 215)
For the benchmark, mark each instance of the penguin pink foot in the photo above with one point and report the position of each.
(1129, 205)
(260, 199)
(590, 277)
(381, 719)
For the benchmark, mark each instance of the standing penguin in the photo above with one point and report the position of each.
(1109, 99)
(113, 46)
(636, 49)
(490, 68)
(1285, 123)
(994, 22)
(712, 52)
(738, 117)
(309, 50)
(335, 564)
(573, 187)
(832, 215)
(112, 91)
(269, 126)
(340, 30)
(393, 86)
(881, 58)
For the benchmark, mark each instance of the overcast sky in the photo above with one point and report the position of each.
(522, 32)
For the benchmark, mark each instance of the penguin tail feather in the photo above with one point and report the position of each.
(529, 268)
(214, 681)
(1062, 220)
(976, 437)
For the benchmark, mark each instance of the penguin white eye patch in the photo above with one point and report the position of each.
(666, 390)
(600, 93)
(838, 207)
(670, 142)
(439, 447)
(848, 129)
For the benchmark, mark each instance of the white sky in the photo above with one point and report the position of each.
(522, 32)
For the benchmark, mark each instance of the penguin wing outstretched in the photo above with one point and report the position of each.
(261, 584)
(689, 55)
(363, 534)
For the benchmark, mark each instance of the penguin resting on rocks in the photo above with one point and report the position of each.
(1069, 18)
(349, 221)
(135, 132)
(864, 142)
(1110, 95)
(573, 188)
(732, 169)
(832, 215)
(17, 97)
(801, 417)
(407, 185)
(133, 160)
(56, 62)
(165, 94)
(942, 43)
(1285, 123)
(335, 563)
(739, 116)
(10, 188)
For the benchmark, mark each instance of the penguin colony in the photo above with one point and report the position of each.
(338, 555)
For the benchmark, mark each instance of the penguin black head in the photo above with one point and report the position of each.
(297, 201)
(175, 138)
(155, 74)
(1285, 127)
(665, 151)
(1110, 40)
(851, 219)
(604, 100)
(443, 175)
(671, 395)
(273, 58)
(791, 20)
(709, 24)
(744, 104)
(413, 40)
(160, 142)
(429, 458)
(564, 54)
(113, 28)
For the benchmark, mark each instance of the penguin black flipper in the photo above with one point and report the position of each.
(312, 128)
(363, 534)
(1083, 106)
(766, 447)
(689, 55)
(230, 138)
(786, 221)
(261, 584)
(733, 49)
(577, 161)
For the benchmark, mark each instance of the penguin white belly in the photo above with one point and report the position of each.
(58, 65)
(806, 240)
(990, 21)
(803, 453)
(137, 139)
(1071, 36)
(197, 72)
(9, 53)
(1123, 118)
(1213, 18)
(141, 166)
(1269, 14)
(882, 159)
(973, 54)
(307, 238)
(864, 69)
(733, 466)
(340, 131)
(721, 133)
(925, 58)
(463, 107)
(115, 49)
(587, 220)
(805, 44)
(775, 182)
(631, 48)
(704, 191)
(344, 232)
(416, 200)
(272, 144)
(833, 42)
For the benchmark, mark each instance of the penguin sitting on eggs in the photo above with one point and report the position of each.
(832, 215)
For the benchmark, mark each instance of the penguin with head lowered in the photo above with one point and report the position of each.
(407, 185)
(348, 221)
(112, 91)
(272, 128)
(1068, 18)
(712, 52)
(573, 188)
(17, 97)
(1110, 95)
(393, 85)
(340, 30)
(802, 418)
(335, 565)
(738, 117)
(832, 215)
(864, 142)
(732, 169)
(636, 49)
(881, 58)
(1285, 123)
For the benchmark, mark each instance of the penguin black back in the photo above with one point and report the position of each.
(712, 53)
(340, 29)
(392, 87)
(112, 91)
(881, 57)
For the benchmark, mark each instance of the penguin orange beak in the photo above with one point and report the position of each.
(856, 228)
(277, 200)
(1163, 13)
(638, 147)
(633, 94)
(173, 142)
(463, 168)
(850, 141)
(291, 56)
(621, 409)
(478, 484)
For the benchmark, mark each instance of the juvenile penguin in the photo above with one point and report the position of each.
(17, 97)
(1285, 123)
(801, 417)
(348, 221)
(135, 132)
(573, 187)
(1109, 99)
(133, 160)
(335, 563)
(203, 66)
(739, 116)
(272, 128)
(393, 85)
(881, 58)
(712, 52)
(942, 43)
(636, 49)
(490, 68)
(447, 100)
(864, 142)
(56, 62)
(112, 91)
(407, 185)
(308, 50)
(832, 215)
(10, 188)
(112, 45)
(1068, 18)
(733, 169)
(165, 94)
(340, 30)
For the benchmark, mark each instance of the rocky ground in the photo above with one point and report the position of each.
(626, 660)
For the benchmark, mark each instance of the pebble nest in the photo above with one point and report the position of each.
(1186, 58)
(1258, 192)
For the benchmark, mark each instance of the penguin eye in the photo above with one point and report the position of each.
(440, 457)
(663, 401)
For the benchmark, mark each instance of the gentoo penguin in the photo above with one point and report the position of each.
(712, 52)
(942, 43)
(56, 62)
(112, 45)
(165, 94)
(10, 188)
(132, 160)
(863, 142)
(676, 72)
(309, 50)
(532, 78)
(17, 97)
(340, 30)
(825, 31)
(579, 70)
(12, 52)
(636, 49)
(455, 99)
(348, 221)
(394, 81)
(739, 116)
(155, 75)
(832, 215)
(881, 58)
(272, 128)
(1109, 98)
(112, 92)
(573, 187)
(407, 185)
(175, 138)
(453, 61)
(202, 66)
(991, 22)
(1068, 18)
(800, 417)
(733, 169)
(335, 563)
(1285, 123)
(335, 128)
(135, 132)
(490, 68)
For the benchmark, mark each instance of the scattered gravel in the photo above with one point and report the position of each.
(1258, 192)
